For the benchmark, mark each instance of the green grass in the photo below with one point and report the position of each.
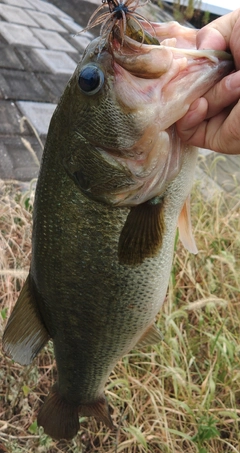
(182, 395)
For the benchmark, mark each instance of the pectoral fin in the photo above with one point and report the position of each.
(185, 228)
(142, 234)
(25, 333)
(151, 336)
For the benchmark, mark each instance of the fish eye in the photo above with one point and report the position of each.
(90, 79)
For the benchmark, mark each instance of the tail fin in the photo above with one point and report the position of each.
(58, 418)
(98, 409)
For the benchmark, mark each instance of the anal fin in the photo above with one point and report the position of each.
(25, 333)
(151, 336)
(142, 234)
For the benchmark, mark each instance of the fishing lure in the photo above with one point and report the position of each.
(122, 15)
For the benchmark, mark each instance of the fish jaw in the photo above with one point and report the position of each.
(162, 84)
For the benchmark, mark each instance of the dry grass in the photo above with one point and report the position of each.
(182, 395)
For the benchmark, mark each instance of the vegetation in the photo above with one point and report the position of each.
(180, 395)
(190, 10)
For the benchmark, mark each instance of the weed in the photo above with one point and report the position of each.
(206, 430)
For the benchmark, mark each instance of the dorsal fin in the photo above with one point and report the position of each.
(25, 333)
(142, 234)
(185, 228)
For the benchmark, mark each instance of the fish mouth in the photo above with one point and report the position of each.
(152, 61)
(154, 73)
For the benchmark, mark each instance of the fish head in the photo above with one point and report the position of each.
(121, 106)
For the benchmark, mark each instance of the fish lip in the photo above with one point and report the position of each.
(134, 56)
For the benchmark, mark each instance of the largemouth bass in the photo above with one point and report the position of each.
(113, 185)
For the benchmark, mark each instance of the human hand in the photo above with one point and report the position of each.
(213, 121)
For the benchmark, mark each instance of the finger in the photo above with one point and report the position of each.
(222, 34)
(218, 32)
(210, 38)
(187, 126)
(235, 43)
(223, 132)
(223, 94)
(204, 134)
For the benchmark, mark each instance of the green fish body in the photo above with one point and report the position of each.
(112, 187)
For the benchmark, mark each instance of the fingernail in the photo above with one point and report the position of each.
(233, 81)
